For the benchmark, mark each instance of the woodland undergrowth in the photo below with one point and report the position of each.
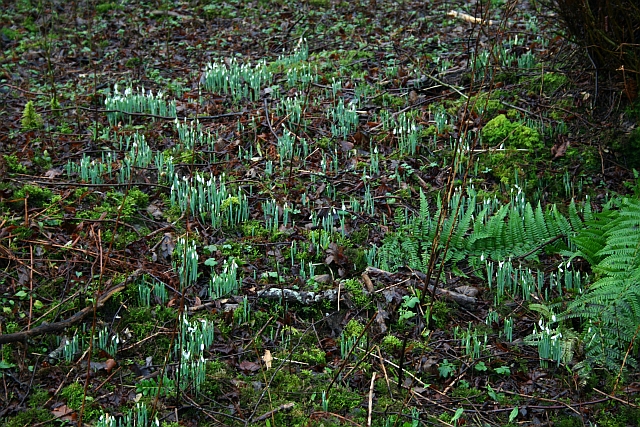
(323, 213)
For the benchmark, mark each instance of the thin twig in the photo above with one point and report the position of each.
(373, 381)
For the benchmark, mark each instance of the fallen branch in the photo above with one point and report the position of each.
(283, 407)
(462, 297)
(469, 18)
(301, 297)
(53, 328)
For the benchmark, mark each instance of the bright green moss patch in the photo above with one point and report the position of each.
(501, 130)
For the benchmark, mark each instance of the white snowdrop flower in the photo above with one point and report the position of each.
(553, 318)
(482, 257)
(186, 354)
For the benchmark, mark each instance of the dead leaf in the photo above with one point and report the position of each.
(345, 145)
(560, 147)
(367, 281)
(469, 291)
(110, 364)
(167, 246)
(248, 366)
(413, 97)
(52, 173)
(154, 211)
(381, 317)
(267, 359)
(322, 278)
(63, 412)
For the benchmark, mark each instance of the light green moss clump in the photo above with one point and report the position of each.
(517, 146)
(391, 343)
(354, 329)
(31, 119)
(501, 130)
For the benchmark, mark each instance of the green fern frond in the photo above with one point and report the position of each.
(574, 218)
(611, 306)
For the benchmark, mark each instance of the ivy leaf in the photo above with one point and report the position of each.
(457, 415)
(503, 370)
(480, 366)
(6, 365)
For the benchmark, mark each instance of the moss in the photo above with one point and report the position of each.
(31, 119)
(354, 329)
(429, 131)
(388, 100)
(285, 382)
(133, 62)
(501, 130)
(341, 400)
(313, 355)
(253, 228)
(483, 104)
(552, 82)
(467, 392)
(139, 321)
(10, 33)
(217, 375)
(116, 203)
(31, 417)
(124, 236)
(74, 396)
(568, 421)
(629, 149)
(518, 144)
(13, 164)
(36, 196)
(440, 313)
(391, 343)
(358, 296)
(103, 8)
(38, 397)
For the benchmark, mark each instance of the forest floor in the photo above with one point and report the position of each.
(304, 245)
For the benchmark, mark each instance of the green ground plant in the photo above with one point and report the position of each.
(31, 119)
(226, 150)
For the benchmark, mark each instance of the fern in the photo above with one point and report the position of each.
(515, 229)
(610, 308)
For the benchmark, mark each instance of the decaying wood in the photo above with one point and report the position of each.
(283, 407)
(301, 297)
(469, 18)
(466, 299)
(463, 295)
